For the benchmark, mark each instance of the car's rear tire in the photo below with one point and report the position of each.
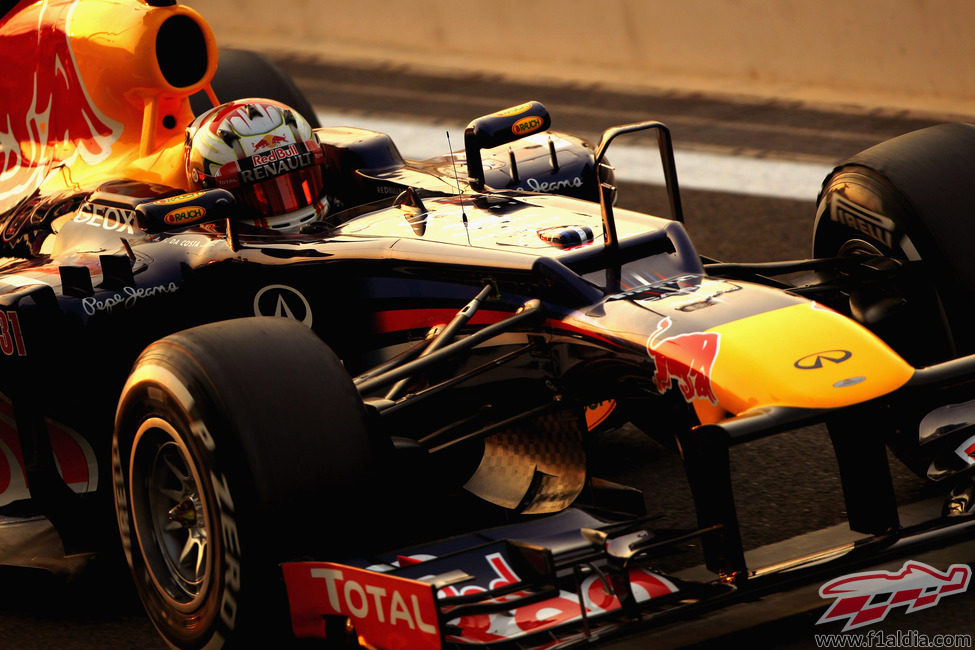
(911, 198)
(237, 445)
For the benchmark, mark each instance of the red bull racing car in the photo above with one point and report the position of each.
(374, 430)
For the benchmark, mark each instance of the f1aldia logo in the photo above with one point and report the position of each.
(867, 598)
(282, 300)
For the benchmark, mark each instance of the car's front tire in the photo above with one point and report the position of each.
(910, 198)
(237, 445)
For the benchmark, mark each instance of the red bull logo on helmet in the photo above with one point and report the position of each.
(47, 118)
(686, 358)
(916, 586)
(269, 142)
(274, 155)
(288, 162)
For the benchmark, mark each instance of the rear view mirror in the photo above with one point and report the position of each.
(501, 128)
(186, 209)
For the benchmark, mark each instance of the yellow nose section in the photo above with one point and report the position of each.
(804, 356)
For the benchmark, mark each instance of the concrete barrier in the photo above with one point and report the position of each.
(889, 54)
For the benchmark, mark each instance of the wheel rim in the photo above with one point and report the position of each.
(854, 247)
(170, 515)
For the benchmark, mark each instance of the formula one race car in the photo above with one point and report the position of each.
(276, 420)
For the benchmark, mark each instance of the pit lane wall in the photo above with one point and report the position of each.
(889, 54)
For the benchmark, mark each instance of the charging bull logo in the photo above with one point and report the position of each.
(269, 142)
(688, 358)
(866, 598)
(47, 118)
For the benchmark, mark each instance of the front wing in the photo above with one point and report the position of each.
(573, 579)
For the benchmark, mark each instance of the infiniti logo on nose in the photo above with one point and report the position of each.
(816, 360)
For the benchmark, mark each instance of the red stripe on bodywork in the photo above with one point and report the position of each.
(70, 457)
(400, 320)
(411, 319)
(74, 457)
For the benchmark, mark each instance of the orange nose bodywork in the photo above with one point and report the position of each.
(809, 357)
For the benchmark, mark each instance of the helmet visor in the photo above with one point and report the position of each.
(285, 193)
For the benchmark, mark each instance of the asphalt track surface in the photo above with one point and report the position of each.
(786, 485)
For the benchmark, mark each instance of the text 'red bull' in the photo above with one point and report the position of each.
(688, 358)
(274, 155)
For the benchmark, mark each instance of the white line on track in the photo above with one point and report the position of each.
(783, 179)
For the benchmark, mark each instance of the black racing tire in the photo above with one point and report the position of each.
(911, 198)
(237, 445)
(244, 73)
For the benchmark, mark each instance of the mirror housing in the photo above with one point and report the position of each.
(500, 128)
(185, 210)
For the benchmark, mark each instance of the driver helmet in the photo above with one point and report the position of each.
(266, 154)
